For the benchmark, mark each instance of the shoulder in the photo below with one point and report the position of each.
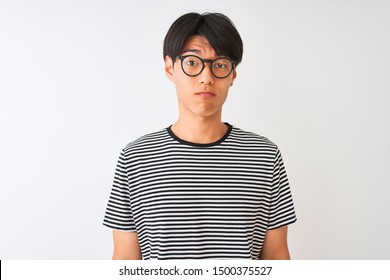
(147, 141)
(251, 138)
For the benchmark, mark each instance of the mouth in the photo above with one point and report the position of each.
(205, 94)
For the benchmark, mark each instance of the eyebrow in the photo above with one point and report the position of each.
(197, 51)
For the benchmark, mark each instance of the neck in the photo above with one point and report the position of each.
(199, 130)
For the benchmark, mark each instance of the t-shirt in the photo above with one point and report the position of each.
(200, 201)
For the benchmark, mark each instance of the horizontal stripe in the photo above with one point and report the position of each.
(190, 201)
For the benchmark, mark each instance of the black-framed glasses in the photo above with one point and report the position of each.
(193, 65)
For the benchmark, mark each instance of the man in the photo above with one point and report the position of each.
(201, 188)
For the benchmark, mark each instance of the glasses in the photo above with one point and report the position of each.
(193, 65)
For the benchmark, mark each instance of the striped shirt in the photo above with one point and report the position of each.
(200, 201)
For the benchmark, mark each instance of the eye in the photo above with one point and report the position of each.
(220, 65)
(192, 62)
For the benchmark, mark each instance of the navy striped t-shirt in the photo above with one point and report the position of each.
(200, 201)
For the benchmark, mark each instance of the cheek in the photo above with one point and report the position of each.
(184, 83)
(180, 86)
(226, 86)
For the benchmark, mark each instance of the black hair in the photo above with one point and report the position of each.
(218, 29)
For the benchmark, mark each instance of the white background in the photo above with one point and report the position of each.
(81, 79)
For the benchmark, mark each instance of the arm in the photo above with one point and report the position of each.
(275, 245)
(126, 246)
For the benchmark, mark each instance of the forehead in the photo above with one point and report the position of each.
(199, 45)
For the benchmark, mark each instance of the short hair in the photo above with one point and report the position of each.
(217, 28)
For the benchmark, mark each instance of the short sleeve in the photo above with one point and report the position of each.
(281, 211)
(118, 212)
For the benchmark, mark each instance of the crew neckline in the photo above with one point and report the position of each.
(223, 138)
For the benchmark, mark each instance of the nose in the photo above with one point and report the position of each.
(206, 76)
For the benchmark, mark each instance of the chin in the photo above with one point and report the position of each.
(207, 114)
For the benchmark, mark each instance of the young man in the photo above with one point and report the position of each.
(200, 188)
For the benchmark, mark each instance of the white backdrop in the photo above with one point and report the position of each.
(81, 79)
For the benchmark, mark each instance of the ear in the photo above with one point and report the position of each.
(168, 67)
(234, 75)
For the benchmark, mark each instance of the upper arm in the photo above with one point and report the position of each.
(126, 246)
(275, 245)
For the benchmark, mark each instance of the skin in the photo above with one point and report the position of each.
(275, 245)
(200, 100)
(126, 246)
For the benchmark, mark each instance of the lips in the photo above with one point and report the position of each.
(205, 94)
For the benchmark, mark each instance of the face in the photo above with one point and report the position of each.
(202, 95)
